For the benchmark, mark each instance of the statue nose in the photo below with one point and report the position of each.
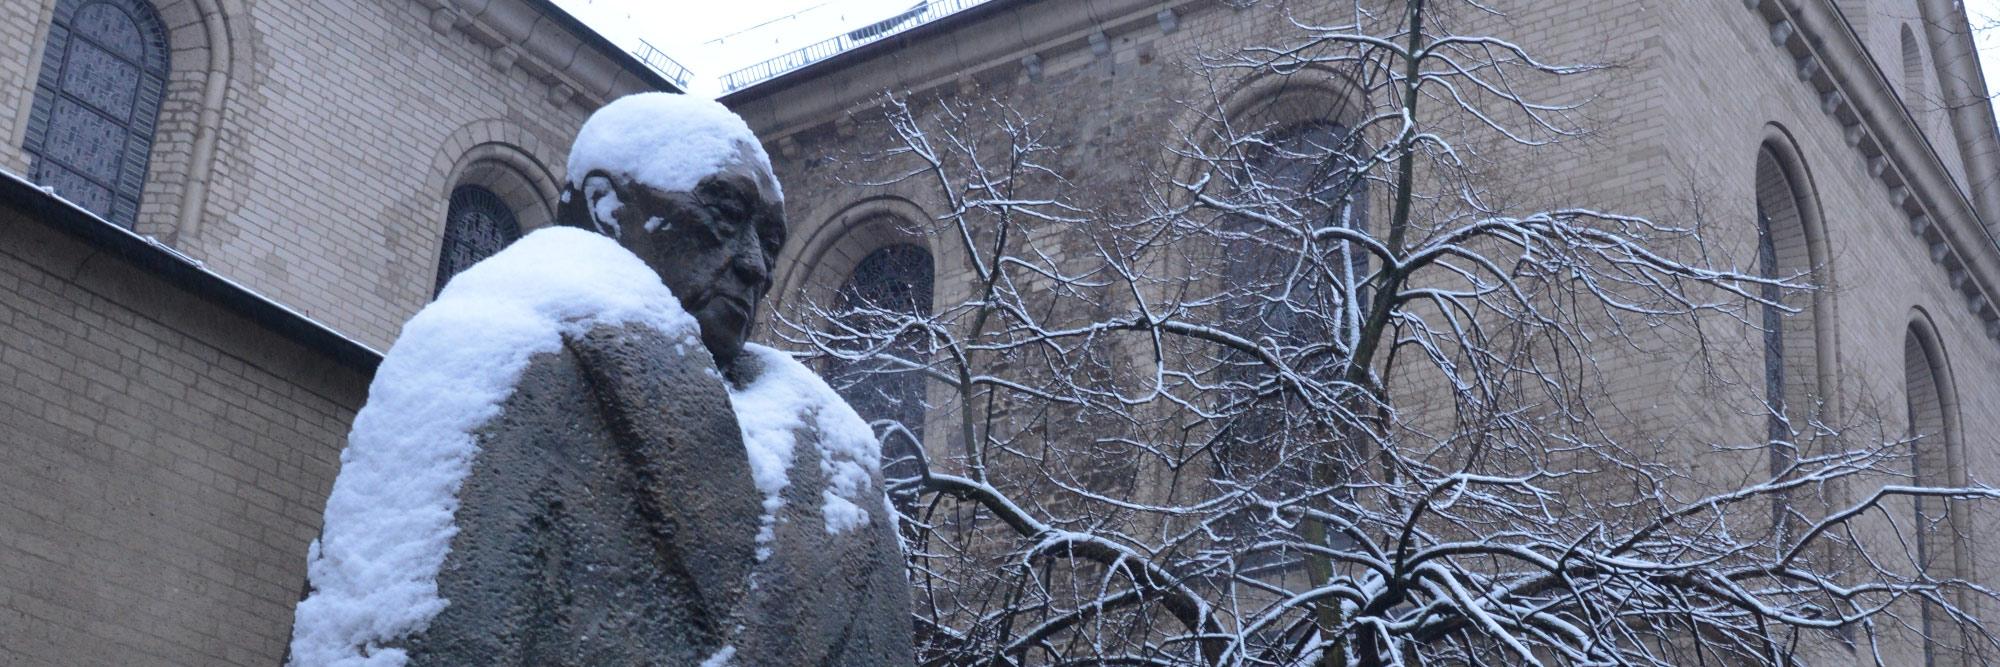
(749, 266)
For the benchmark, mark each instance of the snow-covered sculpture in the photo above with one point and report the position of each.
(572, 457)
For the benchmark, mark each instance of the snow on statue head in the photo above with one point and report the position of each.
(683, 183)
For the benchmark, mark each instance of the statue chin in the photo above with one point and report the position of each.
(723, 326)
(726, 351)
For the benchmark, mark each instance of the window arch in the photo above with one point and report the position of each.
(97, 104)
(478, 224)
(1914, 81)
(1295, 161)
(1303, 171)
(509, 170)
(1789, 345)
(896, 279)
(1934, 461)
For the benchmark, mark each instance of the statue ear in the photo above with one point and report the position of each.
(601, 204)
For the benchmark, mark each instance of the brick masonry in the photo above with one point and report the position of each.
(338, 127)
(166, 461)
(1694, 91)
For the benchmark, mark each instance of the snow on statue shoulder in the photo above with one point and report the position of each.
(496, 396)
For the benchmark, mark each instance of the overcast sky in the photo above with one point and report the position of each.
(715, 37)
(1985, 15)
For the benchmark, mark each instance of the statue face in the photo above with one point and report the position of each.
(714, 247)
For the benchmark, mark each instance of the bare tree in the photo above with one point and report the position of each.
(1315, 398)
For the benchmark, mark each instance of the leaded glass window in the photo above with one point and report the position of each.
(1301, 297)
(1786, 316)
(890, 282)
(1295, 295)
(479, 224)
(97, 103)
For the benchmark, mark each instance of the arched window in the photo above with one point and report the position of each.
(891, 281)
(477, 225)
(1914, 89)
(1305, 174)
(1934, 462)
(1789, 345)
(1304, 298)
(97, 102)
(1299, 296)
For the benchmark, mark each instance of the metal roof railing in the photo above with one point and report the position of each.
(660, 62)
(922, 13)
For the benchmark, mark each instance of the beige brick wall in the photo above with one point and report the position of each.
(166, 462)
(21, 49)
(328, 198)
(338, 128)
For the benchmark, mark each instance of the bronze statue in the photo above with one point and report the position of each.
(609, 516)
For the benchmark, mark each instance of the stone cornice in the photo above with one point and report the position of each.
(550, 45)
(950, 51)
(1829, 57)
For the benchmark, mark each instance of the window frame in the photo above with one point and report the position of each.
(54, 100)
(457, 226)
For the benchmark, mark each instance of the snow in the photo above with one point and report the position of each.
(720, 658)
(670, 142)
(605, 212)
(784, 400)
(389, 517)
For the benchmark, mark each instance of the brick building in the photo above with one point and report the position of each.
(1857, 130)
(189, 320)
(188, 323)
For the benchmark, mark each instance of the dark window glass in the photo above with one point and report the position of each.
(1302, 298)
(478, 225)
(1788, 329)
(97, 103)
(888, 283)
(1932, 463)
(1776, 429)
(1299, 297)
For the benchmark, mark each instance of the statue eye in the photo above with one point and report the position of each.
(773, 242)
(724, 209)
(730, 204)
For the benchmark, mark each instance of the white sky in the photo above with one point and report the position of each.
(715, 37)
(1985, 15)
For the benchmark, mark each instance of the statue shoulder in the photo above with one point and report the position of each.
(661, 394)
(787, 413)
(634, 346)
(775, 381)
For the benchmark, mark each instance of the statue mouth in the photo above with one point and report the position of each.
(737, 305)
(723, 313)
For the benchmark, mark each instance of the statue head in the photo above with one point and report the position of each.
(682, 183)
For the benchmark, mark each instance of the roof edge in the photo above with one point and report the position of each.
(597, 41)
(181, 271)
(867, 51)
